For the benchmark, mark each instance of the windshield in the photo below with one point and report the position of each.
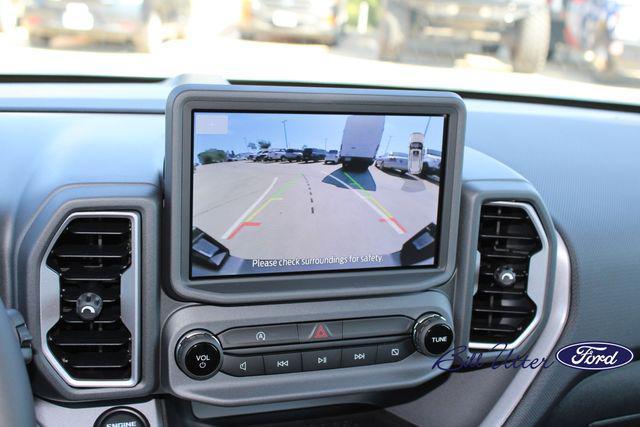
(572, 49)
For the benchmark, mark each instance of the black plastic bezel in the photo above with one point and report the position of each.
(184, 100)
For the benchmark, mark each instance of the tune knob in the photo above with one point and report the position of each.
(199, 354)
(432, 334)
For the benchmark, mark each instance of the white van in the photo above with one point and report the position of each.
(360, 141)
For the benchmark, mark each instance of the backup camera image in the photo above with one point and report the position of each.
(283, 193)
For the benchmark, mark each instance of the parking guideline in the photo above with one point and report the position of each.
(389, 216)
(246, 219)
(262, 207)
(369, 200)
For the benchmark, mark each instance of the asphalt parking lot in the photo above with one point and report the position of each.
(290, 210)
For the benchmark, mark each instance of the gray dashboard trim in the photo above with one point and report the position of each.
(543, 347)
(97, 98)
(129, 295)
(137, 98)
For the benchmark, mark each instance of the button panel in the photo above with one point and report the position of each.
(294, 347)
(316, 360)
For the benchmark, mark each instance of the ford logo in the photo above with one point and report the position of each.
(594, 355)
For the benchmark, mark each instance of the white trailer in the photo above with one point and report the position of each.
(360, 141)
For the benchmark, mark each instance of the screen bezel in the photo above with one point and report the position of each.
(438, 214)
(185, 100)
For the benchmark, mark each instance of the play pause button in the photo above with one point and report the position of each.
(321, 359)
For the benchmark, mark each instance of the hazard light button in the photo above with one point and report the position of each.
(320, 331)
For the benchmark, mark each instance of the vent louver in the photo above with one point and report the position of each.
(90, 255)
(502, 307)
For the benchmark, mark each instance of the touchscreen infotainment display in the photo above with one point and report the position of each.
(275, 193)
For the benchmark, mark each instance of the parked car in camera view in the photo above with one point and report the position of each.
(393, 160)
(331, 157)
(275, 154)
(313, 155)
(318, 21)
(523, 26)
(260, 156)
(293, 155)
(431, 162)
(607, 35)
(143, 23)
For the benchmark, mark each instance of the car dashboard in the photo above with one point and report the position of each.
(89, 163)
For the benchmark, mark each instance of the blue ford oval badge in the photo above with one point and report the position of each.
(594, 355)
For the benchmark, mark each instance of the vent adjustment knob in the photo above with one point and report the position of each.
(432, 334)
(199, 354)
(89, 306)
(505, 275)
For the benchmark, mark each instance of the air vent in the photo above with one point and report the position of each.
(94, 256)
(504, 311)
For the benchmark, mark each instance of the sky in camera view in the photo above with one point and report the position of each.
(234, 131)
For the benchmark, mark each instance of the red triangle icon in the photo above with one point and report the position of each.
(320, 332)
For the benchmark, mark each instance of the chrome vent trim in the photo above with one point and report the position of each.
(537, 279)
(129, 296)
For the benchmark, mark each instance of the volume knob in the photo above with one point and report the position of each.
(432, 334)
(199, 354)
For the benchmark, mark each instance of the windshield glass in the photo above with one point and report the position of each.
(572, 49)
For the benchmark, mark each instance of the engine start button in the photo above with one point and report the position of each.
(121, 417)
